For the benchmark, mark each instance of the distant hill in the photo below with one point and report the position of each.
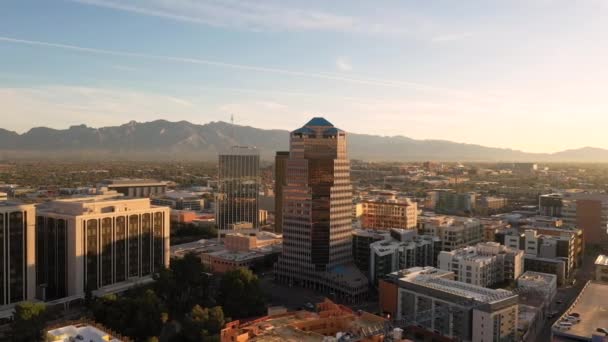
(165, 140)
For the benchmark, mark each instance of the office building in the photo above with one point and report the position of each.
(237, 199)
(485, 264)
(98, 243)
(492, 203)
(317, 214)
(280, 168)
(544, 284)
(180, 200)
(17, 253)
(386, 211)
(453, 202)
(135, 187)
(362, 240)
(430, 298)
(454, 232)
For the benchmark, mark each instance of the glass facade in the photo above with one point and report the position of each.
(51, 256)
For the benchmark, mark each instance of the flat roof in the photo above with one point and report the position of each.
(592, 306)
(602, 260)
(87, 332)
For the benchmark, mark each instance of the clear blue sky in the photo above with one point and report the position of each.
(526, 74)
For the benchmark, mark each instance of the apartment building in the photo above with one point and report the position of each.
(485, 264)
(432, 299)
(98, 243)
(401, 251)
(386, 211)
(452, 202)
(453, 231)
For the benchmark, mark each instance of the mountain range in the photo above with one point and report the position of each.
(182, 140)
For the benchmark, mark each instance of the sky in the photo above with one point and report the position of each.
(524, 74)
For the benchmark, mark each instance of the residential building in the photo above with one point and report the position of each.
(485, 264)
(491, 226)
(584, 210)
(237, 199)
(362, 240)
(280, 169)
(17, 253)
(180, 200)
(545, 253)
(402, 250)
(135, 187)
(454, 232)
(99, 243)
(492, 203)
(329, 321)
(431, 298)
(317, 214)
(386, 212)
(601, 268)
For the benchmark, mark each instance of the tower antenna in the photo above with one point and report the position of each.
(233, 130)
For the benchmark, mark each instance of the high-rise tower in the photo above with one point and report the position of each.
(280, 167)
(317, 214)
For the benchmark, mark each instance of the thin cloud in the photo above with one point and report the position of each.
(240, 14)
(343, 64)
(199, 61)
(451, 37)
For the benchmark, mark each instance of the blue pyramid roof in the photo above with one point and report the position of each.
(319, 121)
(304, 130)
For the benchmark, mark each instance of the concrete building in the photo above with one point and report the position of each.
(491, 226)
(431, 298)
(362, 240)
(237, 199)
(587, 211)
(541, 283)
(545, 253)
(491, 203)
(3, 196)
(280, 169)
(401, 250)
(485, 264)
(329, 322)
(180, 200)
(601, 268)
(317, 214)
(454, 232)
(135, 187)
(100, 243)
(17, 253)
(386, 212)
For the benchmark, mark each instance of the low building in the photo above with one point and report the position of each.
(131, 187)
(430, 298)
(329, 322)
(485, 264)
(590, 305)
(556, 267)
(238, 242)
(84, 330)
(180, 200)
(544, 284)
(530, 321)
(601, 268)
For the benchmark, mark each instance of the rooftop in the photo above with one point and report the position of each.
(538, 277)
(591, 306)
(602, 260)
(87, 332)
(132, 181)
(319, 121)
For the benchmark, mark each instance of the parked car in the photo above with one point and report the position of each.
(573, 319)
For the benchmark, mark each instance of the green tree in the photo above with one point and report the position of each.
(203, 324)
(240, 294)
(29, 320)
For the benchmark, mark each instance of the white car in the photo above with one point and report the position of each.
(572, 319)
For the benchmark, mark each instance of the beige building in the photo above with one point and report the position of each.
(100, 243)
(247, 242)
(386, 212)
(454, 231)
(17, 246)
(485, 264)
(434, 301)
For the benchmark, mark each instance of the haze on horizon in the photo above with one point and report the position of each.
(524, 74)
